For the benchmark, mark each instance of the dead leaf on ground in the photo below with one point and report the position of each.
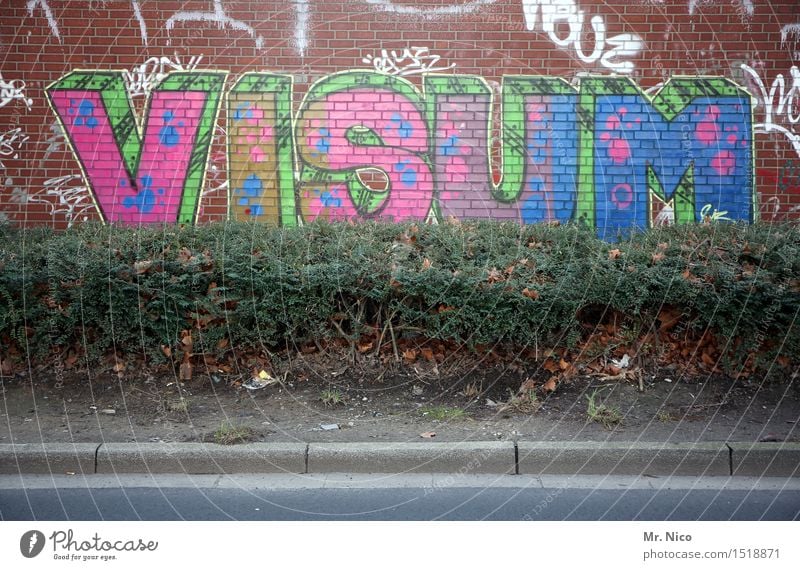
(410, 355)
(614, 254)
(186, 371)
(530, 293)
(550, 385)
(428, 434)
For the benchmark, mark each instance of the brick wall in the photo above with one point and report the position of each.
(140, 111)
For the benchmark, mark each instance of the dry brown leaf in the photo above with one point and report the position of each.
(657, 257)
(614, 254)
(551, 365)
(563, 364)
(365, 346)
(186, 371)
(222, 343)
(410, 355)
(5, 367)
(494, 275)
(142, 266)
(530, 293)
(426, 264)
(166, 350)
(427, 354)
(428, 434)
(707, 359)
(550, 385)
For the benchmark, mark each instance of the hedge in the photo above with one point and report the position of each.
(241, 286)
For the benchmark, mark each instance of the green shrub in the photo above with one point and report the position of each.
(244, 286)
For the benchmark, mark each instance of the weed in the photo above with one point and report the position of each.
(229, 434)
(607, 416)
(525, 403)
(664, 416)
(180, 406)
(443, 413)
(331, 397)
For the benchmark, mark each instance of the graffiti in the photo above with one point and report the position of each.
(557, 12)
(13, 90)
(218, 17)
(778, 102)
(48, 13)
(141, 80)
(135, 177)
(64, 197)
(10, 144)
(790, 32)
(364, 144)
(51, 21)
(301, 13)
(449, 9)
(410, 61)
(745, 6)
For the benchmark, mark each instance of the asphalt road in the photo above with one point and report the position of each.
(395, 498)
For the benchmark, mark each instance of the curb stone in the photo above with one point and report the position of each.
(201, 458)
(464, 457)
(49, 458)
(766, 459)
(490, 457)
(589, 458)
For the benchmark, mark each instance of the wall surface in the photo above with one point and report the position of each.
(620, 113)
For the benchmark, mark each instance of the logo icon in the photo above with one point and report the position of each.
(31, 543)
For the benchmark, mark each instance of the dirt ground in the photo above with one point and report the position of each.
(462, 401)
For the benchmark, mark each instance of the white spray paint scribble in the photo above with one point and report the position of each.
(73, 202)
(142, 79)
(710, 214)
(48, 13)
(51, 21)
(746, 6)
(451, 9)
(55, 142)
(790, 31)
(11, 143)
(218, 17)
(301, 12)
(555, 12)
(788, 104)
(410, 61)
(11, 90)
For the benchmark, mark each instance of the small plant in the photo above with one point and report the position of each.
(664, 416)
(443, 413)
(471, 390)
(331, 397)
(525, 402)
(607, 416)
(180, 406)
(229, 434)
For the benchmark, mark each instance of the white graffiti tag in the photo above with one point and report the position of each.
(555, 12)
(10, 144)
(51, 20)
(142, 79)
(410, 61)
(74, 202)
(11, 90)
(779, 101)
(218, 17)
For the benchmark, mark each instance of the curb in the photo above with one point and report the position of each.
(489, 457)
